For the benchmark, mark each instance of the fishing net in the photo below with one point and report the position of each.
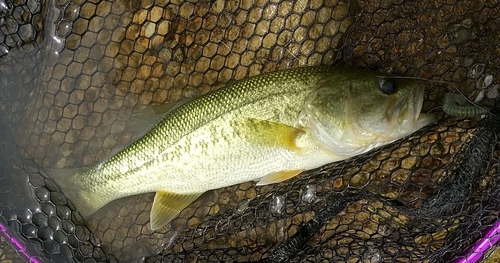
(73, 72)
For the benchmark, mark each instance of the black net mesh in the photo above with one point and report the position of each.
(73, 72)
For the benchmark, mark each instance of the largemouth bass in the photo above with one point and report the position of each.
(267, 128)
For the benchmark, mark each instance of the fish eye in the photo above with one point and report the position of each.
(388, 87)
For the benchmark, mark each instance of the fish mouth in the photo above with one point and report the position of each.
(398, 111)
(408, 108)
(417, 94)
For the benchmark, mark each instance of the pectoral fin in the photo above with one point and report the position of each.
(166, 206)
(278, 177)
(270, 133)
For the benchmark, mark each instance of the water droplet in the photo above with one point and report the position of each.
(488, 79)
(63, 212)
(310, 194)
(372, 256)
(29, 230)
(25, 216)
(242, 207)
(4, 8)
(68, 227)
(475, 70)
(480, 96)
(57, 44)
(54, 223)
(60, 237)
(94, 240)
(4, 50)
(48, 208)
(277, 204)
(493, 92)
(45, 233)
(63, 29)
(72, 12)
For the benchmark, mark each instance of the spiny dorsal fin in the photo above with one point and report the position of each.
(143, 119)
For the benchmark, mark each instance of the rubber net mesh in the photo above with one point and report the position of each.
(72, 73)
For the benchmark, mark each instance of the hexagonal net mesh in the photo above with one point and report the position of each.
(73, 72)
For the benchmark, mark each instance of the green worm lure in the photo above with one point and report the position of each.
(458, 106)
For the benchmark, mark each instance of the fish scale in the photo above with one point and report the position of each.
(268, 128)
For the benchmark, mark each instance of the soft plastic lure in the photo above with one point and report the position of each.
(457, 105)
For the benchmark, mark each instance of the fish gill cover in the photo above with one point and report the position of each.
(72, 74)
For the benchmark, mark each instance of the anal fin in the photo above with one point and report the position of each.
(278, 177)
(166, 206)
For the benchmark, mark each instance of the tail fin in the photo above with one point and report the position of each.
(73, 184)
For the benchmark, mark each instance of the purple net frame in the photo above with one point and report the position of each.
(18, 245)
(476, 252)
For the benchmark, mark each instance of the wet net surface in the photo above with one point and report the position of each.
(72, 73)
